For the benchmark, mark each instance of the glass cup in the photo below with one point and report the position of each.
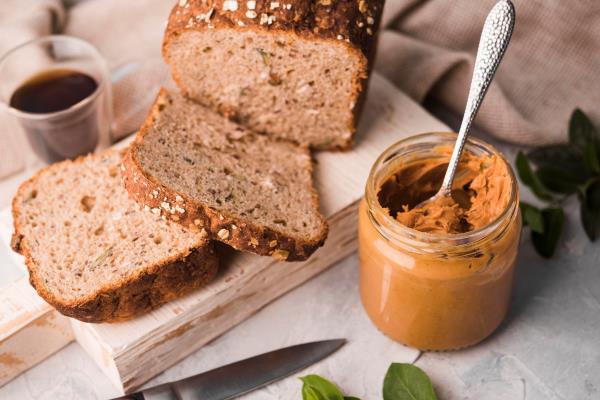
(70, 132)
(435, 291)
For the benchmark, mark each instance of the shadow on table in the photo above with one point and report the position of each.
(534, 277)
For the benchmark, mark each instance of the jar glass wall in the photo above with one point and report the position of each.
(435, 291)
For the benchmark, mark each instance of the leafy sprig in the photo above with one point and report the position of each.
(401, 382)
(561, 171)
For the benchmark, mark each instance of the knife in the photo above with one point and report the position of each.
(241, 377)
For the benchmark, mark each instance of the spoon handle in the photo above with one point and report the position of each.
(495, 36)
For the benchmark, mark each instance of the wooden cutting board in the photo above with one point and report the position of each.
(132, 352)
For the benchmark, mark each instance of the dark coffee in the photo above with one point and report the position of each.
(62, 135)
(52, 91)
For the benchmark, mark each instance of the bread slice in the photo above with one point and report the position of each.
(92, 253)
(296, 69)
(197, 168)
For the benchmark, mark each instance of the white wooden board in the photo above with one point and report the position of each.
(132, 352)
(30, 330)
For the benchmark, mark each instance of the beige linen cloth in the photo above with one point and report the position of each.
(427, 48)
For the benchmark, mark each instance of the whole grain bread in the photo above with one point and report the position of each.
(92, 253)
(296, 69)
(207, 173)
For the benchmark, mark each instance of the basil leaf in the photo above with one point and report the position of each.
(529, 178)
(559, 180)
(532, 217)
(581, 130)
(545, 243)
(590, 210)
(591, 157)
(407, 382)
(565, 156)
(315, 387)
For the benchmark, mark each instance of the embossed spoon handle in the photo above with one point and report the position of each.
(497, 30)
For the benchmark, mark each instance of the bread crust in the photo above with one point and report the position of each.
(353, 24)
(217, 225)
(161, 282)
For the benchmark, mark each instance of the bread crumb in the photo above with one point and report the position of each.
(175, 217)
(197, 222)
(272, 243)
(274, 5)
(370, 20)
(253, 242)
(281, 255)
(178, 198)
(251, 4)
(223, 234)
(251, 14)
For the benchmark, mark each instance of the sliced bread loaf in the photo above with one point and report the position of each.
(296, 69)
(205, 172)
(92, 252)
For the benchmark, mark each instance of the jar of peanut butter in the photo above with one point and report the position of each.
(438, 278)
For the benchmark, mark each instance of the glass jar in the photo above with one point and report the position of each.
(434, 291)
(65, 133)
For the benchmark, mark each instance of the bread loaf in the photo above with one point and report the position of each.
(295, 69)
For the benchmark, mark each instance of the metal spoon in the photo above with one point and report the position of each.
(495, 36)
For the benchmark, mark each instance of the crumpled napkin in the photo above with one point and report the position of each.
(21, 21)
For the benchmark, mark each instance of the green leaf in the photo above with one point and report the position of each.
(545, 243)
(532, 217)
(581, 130)
(591, 157)
(590, 210)
(315, 387)
(529, 178)
(564, 156)
(559, 180)
(407, 382)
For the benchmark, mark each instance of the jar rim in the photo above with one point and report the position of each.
(390, 226)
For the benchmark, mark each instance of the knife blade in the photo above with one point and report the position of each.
(243, 376)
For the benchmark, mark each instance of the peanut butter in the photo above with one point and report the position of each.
(445, 283)
(481, 191)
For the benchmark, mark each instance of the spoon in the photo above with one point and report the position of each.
(495, 36)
